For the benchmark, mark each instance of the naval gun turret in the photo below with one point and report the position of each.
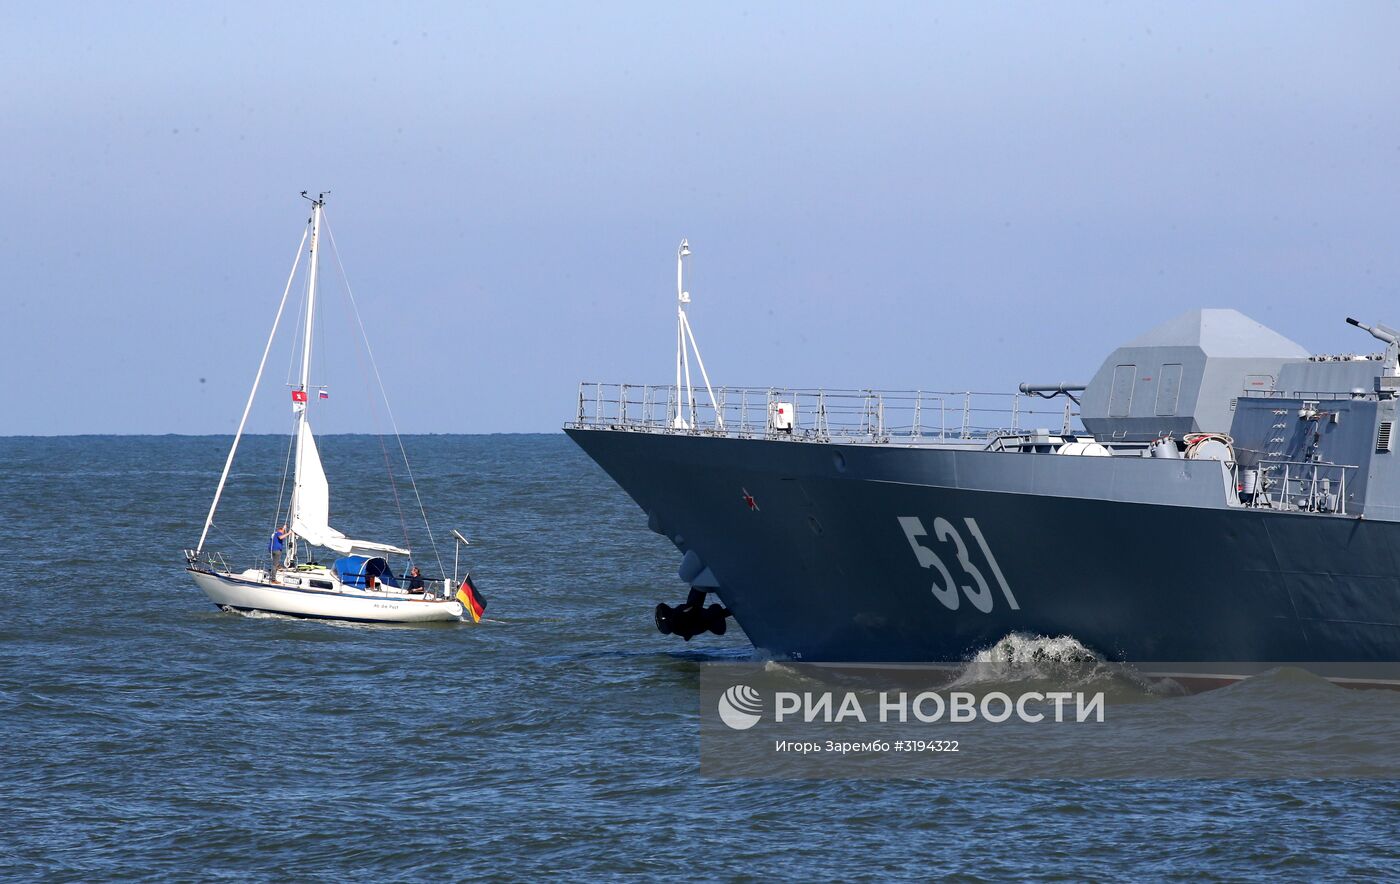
(1381, 332)
(1184, 376)
(1391, 337)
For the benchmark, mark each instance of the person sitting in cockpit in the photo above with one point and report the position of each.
(415, 579)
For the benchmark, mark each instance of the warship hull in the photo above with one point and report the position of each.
(825, 551)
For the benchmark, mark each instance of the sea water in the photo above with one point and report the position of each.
(147, 734)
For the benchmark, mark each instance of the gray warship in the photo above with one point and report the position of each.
(1214, 493)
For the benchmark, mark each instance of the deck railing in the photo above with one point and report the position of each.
(1296, 485)
(211, 561)
(1318, 396)
(909, 416)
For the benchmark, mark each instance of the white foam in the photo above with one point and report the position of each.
(1062, 660)
(1024, 648)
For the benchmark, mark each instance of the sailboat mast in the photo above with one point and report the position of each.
(311, 296)
(303, 406)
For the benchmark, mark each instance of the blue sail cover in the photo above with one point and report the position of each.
(352, 571)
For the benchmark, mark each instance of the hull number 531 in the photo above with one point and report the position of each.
(945, 588)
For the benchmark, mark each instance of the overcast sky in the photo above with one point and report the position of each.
(936, 196)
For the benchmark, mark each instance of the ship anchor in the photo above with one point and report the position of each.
(692, 618)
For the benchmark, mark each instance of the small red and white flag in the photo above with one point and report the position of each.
(298, 395)
(324, 394)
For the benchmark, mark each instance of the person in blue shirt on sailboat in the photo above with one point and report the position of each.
(277, 543)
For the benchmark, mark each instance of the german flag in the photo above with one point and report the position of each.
(472, 599)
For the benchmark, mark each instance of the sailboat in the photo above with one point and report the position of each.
(359, 584)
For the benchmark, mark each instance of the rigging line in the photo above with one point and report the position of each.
(280, 518)
(379, 433)
(296, 333)
(282, 489)
(384, 394)
(320, 332)
(394, 487)
(379, 427)
(262, 363)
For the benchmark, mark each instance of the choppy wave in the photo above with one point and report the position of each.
(1023, 659)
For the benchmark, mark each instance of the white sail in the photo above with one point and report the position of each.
(312, 503)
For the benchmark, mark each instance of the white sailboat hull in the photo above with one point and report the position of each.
(246, 593)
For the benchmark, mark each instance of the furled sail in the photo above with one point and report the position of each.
(312, 503)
